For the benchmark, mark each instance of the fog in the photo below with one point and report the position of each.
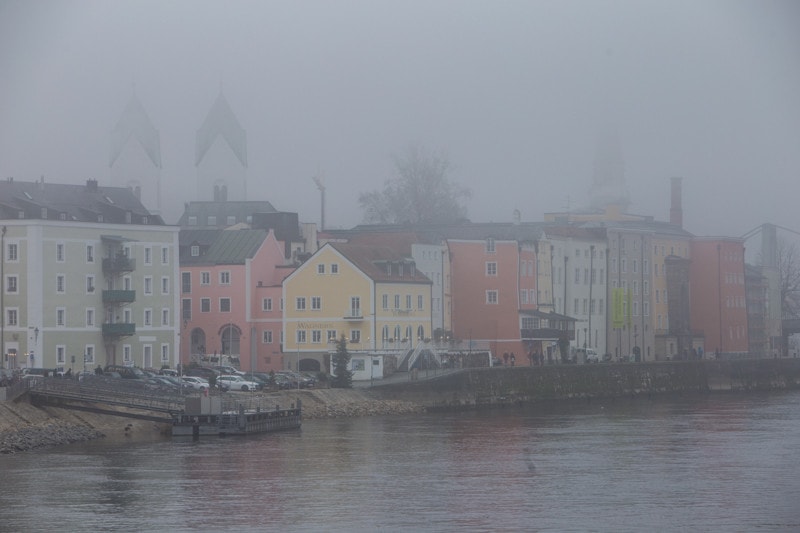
(514, 93)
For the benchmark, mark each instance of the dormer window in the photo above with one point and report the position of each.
(144, 220)
(195, 250)
(490, 245)
(44, 212)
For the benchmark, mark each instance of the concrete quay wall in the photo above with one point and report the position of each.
(498, 386)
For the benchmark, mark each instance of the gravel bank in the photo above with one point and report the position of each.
(25, 427)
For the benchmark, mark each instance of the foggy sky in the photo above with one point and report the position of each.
(513, 92)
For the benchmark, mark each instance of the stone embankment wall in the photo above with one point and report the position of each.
(503, 385)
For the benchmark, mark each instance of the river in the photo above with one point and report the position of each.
(723, 462)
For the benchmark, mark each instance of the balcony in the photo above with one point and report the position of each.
(119, 297)
(353, 314)
(118, 264)
(547, 334)
(119, 329)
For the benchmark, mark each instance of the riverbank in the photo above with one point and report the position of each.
(25, 427)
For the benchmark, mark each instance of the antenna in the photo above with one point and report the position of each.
(321, 188)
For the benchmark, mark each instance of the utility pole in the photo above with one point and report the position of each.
(321, 188)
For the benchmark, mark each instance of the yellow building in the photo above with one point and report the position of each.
(371, 295)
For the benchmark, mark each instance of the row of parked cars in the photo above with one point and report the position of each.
(229, 378)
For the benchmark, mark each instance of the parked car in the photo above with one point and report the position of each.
(194, 382)
(259, 377)
(224, 369)
(202, 372)
(283, 382)
(168, 372)
(234, 382)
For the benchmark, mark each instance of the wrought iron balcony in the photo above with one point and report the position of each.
(119, 329)
(120, 263)
(118, 296)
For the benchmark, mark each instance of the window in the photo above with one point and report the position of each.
(321, 268)
(60, 315)
(148, 317)
(577, 275)
(194, 250)
(90, 317)
(164, 255)
(355, 306)
(165, 285)
(300, 303)
(186, 309)
(205, 278)
(490, 245)
(148, 285)
(646, 287)
(523, 296)
(12, 254)
(148, 255)
(225, 278)
(205, 305)
(585, 306)
(165, 353)
(224, 305)
(316, 336)
(331, 335)
(646, 308)
(585, 276)
(88, 356)
(165, 317)
(186, 282)
(60, 283)
(266, 337)
(11, 317)
(575, 306)
(355, 336)
(385, 301)
(90, 284)
(230, 220)
(300, 336)
(359, 365)
(623, 266)
(211, 220)
(491, 268)
(334, 268)
(491, 297)
(61, 354)
(408, 301)
(89, 253)
(60, 252)
(266, 304)
(126, 353)
(316, 303)
(420, 302)
(11, 284)
(635, 264)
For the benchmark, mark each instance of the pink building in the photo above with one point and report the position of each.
(230, 298)
(492, 282)
(717, 292)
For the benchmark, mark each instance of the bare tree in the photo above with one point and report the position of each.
(789, 270)
(420, 193)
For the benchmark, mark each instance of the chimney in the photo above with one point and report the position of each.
(676, 209)
(91, 185)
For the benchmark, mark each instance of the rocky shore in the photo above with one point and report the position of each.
(25, 427)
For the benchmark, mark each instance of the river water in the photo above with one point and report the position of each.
(705, 463)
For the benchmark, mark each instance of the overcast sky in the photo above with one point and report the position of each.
(514, 93)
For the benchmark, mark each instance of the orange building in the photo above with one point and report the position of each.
(717, 290)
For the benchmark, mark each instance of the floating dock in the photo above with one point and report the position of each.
(209, 419)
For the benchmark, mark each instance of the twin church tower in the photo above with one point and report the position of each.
(135, 155)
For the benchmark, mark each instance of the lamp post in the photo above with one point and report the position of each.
(2, 291)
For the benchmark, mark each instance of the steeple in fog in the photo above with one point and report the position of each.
(608, 179)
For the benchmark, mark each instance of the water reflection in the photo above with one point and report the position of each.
(706, 462)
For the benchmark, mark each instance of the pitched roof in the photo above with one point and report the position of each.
(221, 121)
(227, 247)
(134, 122)
(78, 203)
(374, 260)
(240, 210)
